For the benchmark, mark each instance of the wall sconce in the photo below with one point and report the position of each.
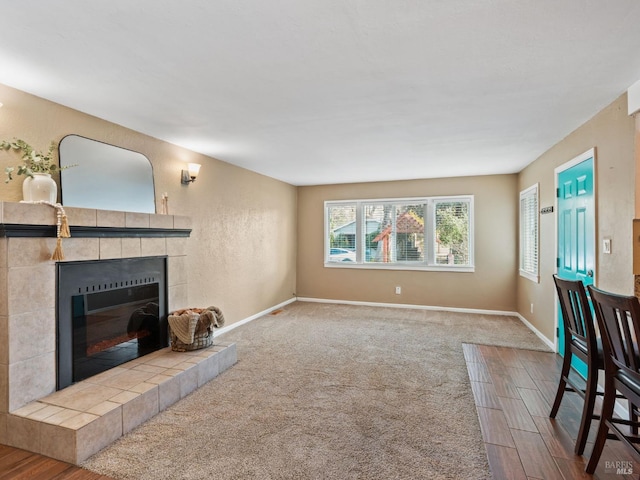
(190, 174)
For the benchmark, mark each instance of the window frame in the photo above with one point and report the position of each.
(531, 274)
(429, 236)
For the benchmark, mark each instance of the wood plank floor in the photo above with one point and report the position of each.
(513, 391)
(18, 464)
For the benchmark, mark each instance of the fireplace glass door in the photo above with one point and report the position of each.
(113, 327)
(108, 312)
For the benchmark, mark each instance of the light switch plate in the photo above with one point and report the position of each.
(606, 245)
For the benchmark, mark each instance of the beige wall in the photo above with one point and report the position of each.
(242, 250)
(491, 286)
(611, 132)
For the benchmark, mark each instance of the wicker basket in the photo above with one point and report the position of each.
(199, 341)
(192, 329)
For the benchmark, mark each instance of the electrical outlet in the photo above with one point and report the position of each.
(398, 290)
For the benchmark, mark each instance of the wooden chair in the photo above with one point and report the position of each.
(580, 339)
(618, 318)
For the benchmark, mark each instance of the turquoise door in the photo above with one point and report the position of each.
(576, 232)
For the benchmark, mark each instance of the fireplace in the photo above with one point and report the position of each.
(108, 312)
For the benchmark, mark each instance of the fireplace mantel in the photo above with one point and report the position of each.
(38, 220)
(28, 285)
(17, 230)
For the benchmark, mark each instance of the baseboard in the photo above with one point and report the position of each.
(544, 339)
(539, 334)
(406, 305)
(224, 330)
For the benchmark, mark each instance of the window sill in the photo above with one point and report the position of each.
(529, 276)
(400, 266)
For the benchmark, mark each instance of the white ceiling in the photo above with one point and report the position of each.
(332, 91)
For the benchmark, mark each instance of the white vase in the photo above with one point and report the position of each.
(40, 187)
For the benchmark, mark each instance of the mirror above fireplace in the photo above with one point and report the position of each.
(106, 177)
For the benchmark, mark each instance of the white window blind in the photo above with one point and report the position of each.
(529, 233)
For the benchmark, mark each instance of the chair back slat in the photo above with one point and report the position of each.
(618, 318)
(576, 310)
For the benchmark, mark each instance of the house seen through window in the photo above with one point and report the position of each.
(400, 233)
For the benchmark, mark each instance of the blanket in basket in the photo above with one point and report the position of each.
(192, 328)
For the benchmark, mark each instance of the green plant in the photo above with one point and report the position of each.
(32, 161)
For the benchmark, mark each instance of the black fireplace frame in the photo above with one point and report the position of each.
(91, 276)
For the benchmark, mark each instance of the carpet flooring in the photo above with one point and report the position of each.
(326, 391)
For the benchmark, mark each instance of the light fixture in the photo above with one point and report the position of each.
(191, 173)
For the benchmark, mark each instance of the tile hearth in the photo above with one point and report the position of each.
(74, 423)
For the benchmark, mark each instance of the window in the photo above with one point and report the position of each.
(433, 233)
(529, 233)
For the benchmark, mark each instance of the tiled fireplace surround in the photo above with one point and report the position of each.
(76, 422)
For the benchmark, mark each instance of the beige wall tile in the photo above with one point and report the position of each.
(62, 416)
(29, 409)
(4, 388)
(110, 248)
(124, 397)
(98, 434)
(28, 213)
(169, 392)
(31, 380)
(46, 412)
(136, 220)
(4, 246)
(153, 246)
(4, 299)
(24, 252)
(143, 387)
(228, 357)
(140, 409)
(208, 369)
(161, 221)
(23, 433)
(126, 380)
(105, 407)
(58, 442)
(24, 343)
(83, 397)
(81, 248)
(188, 381)
(3, 428)
(177, 246)
(4, 340)
(131, 248)
(31, 288)
(177, 269)
(79, 421)
(85, 217)
(110, 218)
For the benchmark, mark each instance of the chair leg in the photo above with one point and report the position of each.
(562, 384)
(603, 429)
(587, 409)
(633, 418)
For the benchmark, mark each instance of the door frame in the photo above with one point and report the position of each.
(591, 153)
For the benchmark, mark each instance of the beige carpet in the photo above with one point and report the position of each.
(328, 392)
